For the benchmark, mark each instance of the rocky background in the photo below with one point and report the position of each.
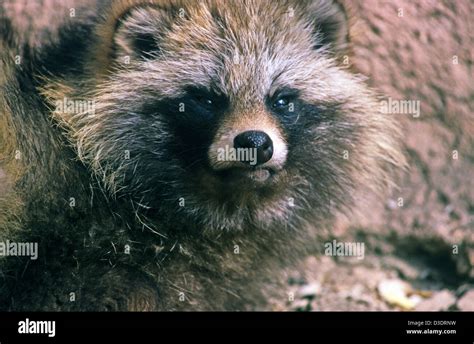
(418, 256)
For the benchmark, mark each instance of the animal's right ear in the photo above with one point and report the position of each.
(139, 31)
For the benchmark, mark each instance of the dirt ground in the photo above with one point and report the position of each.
(418, 256)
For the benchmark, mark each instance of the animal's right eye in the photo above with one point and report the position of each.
(207, 98)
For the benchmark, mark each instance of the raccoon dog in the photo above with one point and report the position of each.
(171, 155)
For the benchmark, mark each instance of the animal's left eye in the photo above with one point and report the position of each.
(284, 99)
(282, 102)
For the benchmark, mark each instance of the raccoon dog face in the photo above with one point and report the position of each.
(234, 114)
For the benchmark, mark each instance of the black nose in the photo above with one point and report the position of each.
(258, 140)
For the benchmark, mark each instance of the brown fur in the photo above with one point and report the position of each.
(229, 232)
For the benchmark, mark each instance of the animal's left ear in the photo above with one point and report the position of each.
(331, 24)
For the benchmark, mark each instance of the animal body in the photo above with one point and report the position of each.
(114, 134)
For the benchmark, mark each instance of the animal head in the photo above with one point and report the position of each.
(230, 114)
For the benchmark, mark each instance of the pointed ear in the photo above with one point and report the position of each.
(331, 25)
(139, 32)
